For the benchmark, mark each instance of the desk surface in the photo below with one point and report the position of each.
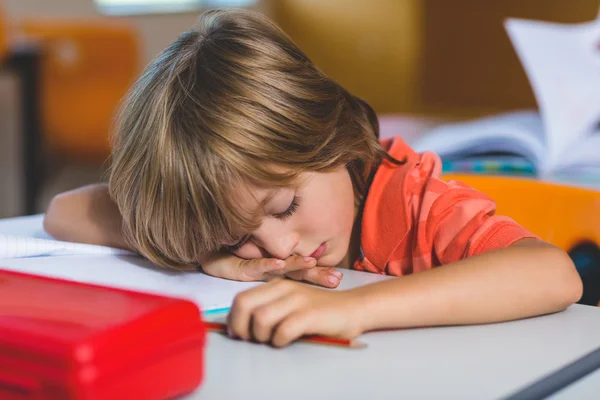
(470, 362)
(474, 362)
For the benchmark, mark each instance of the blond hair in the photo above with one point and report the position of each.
(231, 102)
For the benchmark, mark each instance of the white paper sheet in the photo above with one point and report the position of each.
(12, 246)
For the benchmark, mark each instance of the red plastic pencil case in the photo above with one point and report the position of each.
(69, 340)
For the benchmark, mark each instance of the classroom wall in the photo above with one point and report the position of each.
(371, 47)
(425, 56)
(449, 57)
(468, 60)
(400, 55)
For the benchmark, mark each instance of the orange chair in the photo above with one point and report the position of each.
(562, 215)
(565, 216)
(88, 66)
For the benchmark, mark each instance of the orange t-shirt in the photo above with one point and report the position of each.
(412, 220)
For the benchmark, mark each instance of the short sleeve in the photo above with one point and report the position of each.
(413, 220)
(454, 221)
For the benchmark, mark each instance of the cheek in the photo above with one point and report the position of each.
(338, 203)
(331, 211)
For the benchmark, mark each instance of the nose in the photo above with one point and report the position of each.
(278, 241)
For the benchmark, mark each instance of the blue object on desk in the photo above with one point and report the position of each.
(214, 311)
(490, 165)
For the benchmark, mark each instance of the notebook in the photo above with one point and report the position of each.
(562, 62)
(14, 246)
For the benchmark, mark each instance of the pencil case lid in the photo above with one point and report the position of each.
(64, 339)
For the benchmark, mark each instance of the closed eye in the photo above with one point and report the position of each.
(290, 210)
(283, 216)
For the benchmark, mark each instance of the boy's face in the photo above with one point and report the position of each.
(315, 219)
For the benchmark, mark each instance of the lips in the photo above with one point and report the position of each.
(319, 251)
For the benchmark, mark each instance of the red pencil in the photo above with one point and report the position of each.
(325, 340)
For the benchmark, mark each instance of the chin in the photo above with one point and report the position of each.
(329, 260)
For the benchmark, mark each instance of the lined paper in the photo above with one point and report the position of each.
(13, 246)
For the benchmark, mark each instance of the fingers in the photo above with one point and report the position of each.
(281, 311)
(244, 305)
(268, 313)
(322, 276)
(267, 268)
(294, 263)
(228, 266)
(259, 269)
(305, 269)
(290, 329)
(266, 318)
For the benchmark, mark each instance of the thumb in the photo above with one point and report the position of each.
(258, 269)
(229, 266)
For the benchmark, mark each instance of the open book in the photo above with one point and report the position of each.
(563, 66)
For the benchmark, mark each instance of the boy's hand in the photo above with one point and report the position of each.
(282, 311)
(228, 266)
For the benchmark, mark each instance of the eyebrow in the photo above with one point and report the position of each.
(263, 204)
(268, 198)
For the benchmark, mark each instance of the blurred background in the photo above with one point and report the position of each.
(66, 64)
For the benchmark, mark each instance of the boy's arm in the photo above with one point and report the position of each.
(85, 215)
(528, 278)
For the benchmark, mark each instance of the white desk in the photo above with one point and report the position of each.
(474, 362)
